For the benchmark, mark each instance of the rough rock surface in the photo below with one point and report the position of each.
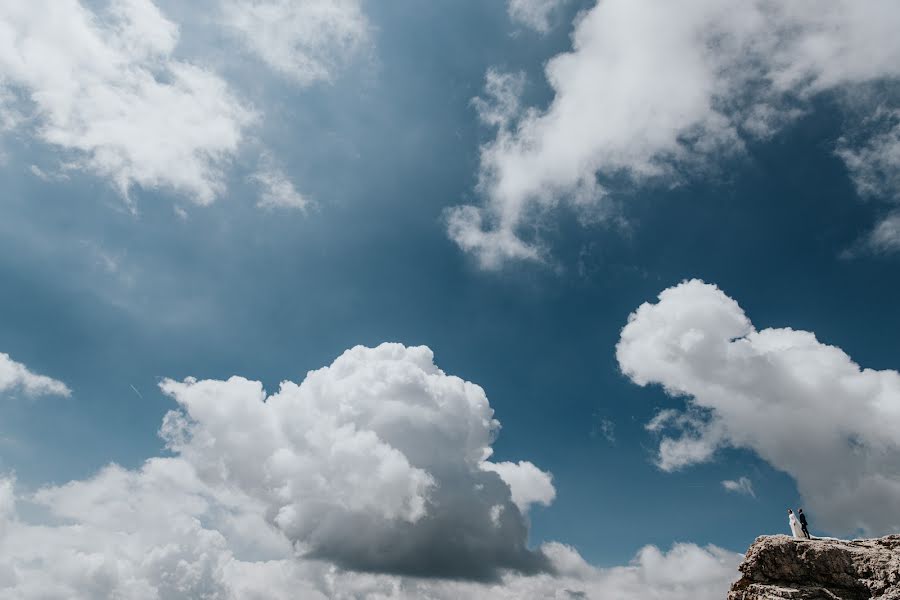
(778, 567)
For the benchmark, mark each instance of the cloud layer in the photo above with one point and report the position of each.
(651, 90)
(803, 406)
(105, 88)
(371, 470)
(158, 533)
(16, 376)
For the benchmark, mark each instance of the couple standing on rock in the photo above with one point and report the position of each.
(798, 527)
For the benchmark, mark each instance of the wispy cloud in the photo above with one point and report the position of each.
(277, 190)
(535, 14)
(740, 486)
(874, 166)
(306, 40)
(606, 429)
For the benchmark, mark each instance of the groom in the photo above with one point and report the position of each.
(802, 518)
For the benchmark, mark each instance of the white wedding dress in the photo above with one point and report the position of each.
(796, 529)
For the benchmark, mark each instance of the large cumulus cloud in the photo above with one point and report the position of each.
(653, 89)
(368, 480)
(367, 463)
(802, 405)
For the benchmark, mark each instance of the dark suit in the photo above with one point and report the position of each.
(802, 518)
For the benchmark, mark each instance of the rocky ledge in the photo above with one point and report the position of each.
(778, 566)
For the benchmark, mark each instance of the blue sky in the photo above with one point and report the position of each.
(111, 287)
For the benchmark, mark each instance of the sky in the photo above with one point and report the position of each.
(460, 298)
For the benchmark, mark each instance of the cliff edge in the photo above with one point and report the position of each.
(780, 567)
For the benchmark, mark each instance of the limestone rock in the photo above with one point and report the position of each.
(781, 567)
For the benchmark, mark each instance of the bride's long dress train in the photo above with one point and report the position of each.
(796, 529)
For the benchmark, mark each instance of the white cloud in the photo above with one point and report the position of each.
(307, 40)
(652, 89)
(105, 88)
(45, 176)
(803, 406)
(277, 190)
(605, 428)
(886, 235)
(696, 444)
(379, 449)
(740, 486)
(492, 247)
(379, 442)
(874, 165)
(158, 532)
(121, 534)
(536, 14)
(16, 376)
(502, 104)
(527, 484)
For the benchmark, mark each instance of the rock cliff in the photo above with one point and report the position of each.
(780, 567)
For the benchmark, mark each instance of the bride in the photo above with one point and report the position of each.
(796, 529)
